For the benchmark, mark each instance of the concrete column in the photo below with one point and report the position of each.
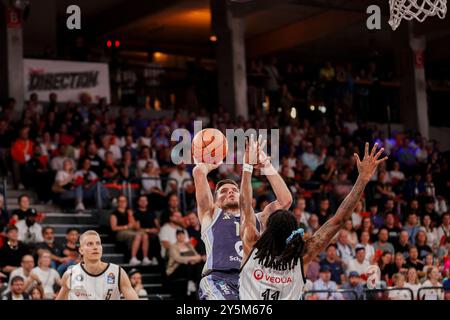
(411, 68)
(11, 56)
(230, 56)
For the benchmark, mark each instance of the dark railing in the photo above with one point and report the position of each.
(340, 294)
(385, 294)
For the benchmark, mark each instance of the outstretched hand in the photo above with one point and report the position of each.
(370, 162)
(206, 167)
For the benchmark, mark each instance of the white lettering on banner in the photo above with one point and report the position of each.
(68, 79)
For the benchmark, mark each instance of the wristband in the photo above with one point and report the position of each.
(269, 170)
(247, 167)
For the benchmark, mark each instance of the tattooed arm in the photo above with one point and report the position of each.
(366, 168)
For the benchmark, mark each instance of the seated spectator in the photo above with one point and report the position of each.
(430, 232)
(110, 172)
(300, 213)
(396, 175)
(414, 262)
(71, 255)
(48, 276)
(194, 231)
(324, 210)
(385, 264)
(167, 234)
(313, 223)
(357, 215)
(38, 174)
(21, 153)
(17, 290)
(364, 241)
(178, 179)
(393, 230)
(335, 266)
(146, 157)
(173, 204)
(325, 283)
(128, 168)
(151, 182)
(111, 147)
(148, 228)
(352, 236)
(344, 248)
(359, 264)
(421, 244)
(367, 226)
(37, 293)
(12, 251)
(57, 163)
(430, 288)
(398, 292)
(136, 282)
(96, 161)
(124, 226)
(444, 251)
(399, 265)
(412, 227)
(24, 208)
(30, 232)
(376, 217)
(383, 187)
(403, 244)
(412, 281)
(183, 266)
(382, 243)
(312, 272)
(49, 244)
(25, 271)
(87, 185)
(355, 284)
(429, 262)
(443, 231)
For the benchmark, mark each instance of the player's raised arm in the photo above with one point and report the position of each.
(283, 194)
(125, 287)
(64, 291)
(249, 233)
(203, 194)
(323, 236)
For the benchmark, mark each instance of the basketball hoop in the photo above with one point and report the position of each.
(415, 9)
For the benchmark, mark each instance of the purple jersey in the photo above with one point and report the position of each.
(223, 243)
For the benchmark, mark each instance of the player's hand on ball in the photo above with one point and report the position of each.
(370, 162)
(206, 167)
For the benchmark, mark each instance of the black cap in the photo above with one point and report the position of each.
(133, 271)
(325, 268)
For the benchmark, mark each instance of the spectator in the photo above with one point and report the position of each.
(146, 157)
(17, 290)
(128, 169)
(124, 226)
(12, 251)
(136, 282)
(21, 153)
(368, 248)
(412, 227)
(334, 265)
(344, 248)
(325, 283)
(310, 159)
(414, 262)
(25, 271)
(396, 176)
(65, 185)
(444, 251)
(37, 293)
(430, 232)
(38, 174)
(352, 236)
(96, 161)
(421, 244)
(24, 209)
(70, 250)
(354, 284)
(151, 182)
(324, 211)
(49, 244)
(431, 289)
(300, 213)
(392, 229)
(382, 243)
(167, 234)
(403, 244)
(194, 231)
(412, 281)
(184, 265)
(312, 272)
(30, 232)
(108, 146)
(429, 262)
(48, 276)
(367, 226)
(148, 228)
(359, 264)
(4, 215)
(87, 185)
(443, 231)
(110, 171)
(399, 265)
(399, 292)
(173, 204)
(181, 176)
(385, 264)
(313, 223)
(357, 215)
(57, 163)
(377, 219)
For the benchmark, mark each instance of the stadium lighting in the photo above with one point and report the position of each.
(109, 43)
(117, 43)
(293, 113)
(213, 38)
(312, 108)
(322, 109)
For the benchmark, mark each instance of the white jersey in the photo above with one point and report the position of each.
(86, 286)
(257, 282)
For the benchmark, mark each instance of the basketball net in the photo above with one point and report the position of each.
(415, 9)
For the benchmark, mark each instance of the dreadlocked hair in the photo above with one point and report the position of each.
(272, 249)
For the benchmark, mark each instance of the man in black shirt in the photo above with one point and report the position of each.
(195, 235)
(12, 251)
(96, 162)
(325, 172)
(56, 250)
(17, 290)
(24, 208)
(393, 230)
(149, 224)
(402, 244)
(414, 262)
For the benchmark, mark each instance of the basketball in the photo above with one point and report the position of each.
(209, 146)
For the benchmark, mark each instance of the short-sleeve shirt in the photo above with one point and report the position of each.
(146, 218)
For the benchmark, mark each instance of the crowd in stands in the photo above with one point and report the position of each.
(83, 155)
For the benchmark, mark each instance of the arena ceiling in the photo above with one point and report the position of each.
(305, 27)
